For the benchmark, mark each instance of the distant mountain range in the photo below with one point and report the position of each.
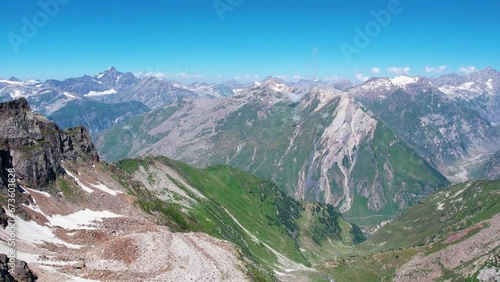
(156, 219)
(371, 149)
(78, 101)
(331, 164)
(79, 217)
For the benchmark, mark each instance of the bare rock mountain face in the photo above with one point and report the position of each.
(35, 147)
(316, 143)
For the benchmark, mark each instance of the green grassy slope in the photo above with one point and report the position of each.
(425, 229)
(285, 144)
(273, 231)
(435, 218)
(404, 176)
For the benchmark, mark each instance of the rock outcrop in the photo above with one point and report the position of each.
(21, 272)
(35, 146)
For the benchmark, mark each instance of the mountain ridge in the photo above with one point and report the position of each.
(94, 220)
(263, 127)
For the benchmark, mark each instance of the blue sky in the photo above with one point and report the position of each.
(247, 39)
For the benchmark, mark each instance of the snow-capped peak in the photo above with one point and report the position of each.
(32, 82)
(110, 71)
(275, 84)
(403, 80)
(378, 83)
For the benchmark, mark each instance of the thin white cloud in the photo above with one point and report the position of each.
(297, 77)
(160, 75)
(282, 77)
(467, 70)
(332, 78)
(150, 74)
(246, 77)
(375, 70)
(398, 70)
(361, 77)
(186, 75)
(439, 69)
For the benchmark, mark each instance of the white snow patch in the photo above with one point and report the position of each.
(105, 188)
(377, 84)
(102, 93)
(84, 219)
(403, 80)
(83, 186)
(34, 233)
(278, 87)
(31, 82)
(38, 192)
(489, 84)
(16, 94)
(11, 82)
(79, 279)
(465, 90)
(71, 96)
(447, 90)
(29, 258)
(440, 206)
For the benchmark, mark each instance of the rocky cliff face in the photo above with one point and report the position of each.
(19, 273)
(35, 147)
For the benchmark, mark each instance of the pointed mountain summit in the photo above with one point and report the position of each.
(115, 79)
(112, 71)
